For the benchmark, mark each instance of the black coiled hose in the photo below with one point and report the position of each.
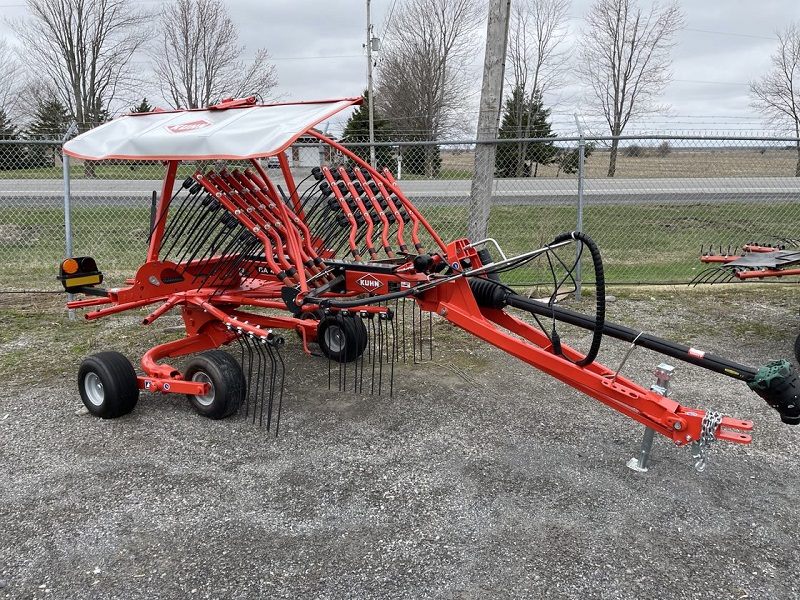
(492, 294)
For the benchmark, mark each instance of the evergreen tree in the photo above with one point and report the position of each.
(357, 130)
(11, 155)
(143, 107)
(524, 117)
(567, 159)
(422, 160)
(50, 122)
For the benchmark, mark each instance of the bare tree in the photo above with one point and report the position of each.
(536, 61)
(424, 77)
(198, 60)
(624, 58)
(10, 77)
(536, 54)
(83, 50)
(777, 93)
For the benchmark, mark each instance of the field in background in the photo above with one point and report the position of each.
(633, 250)
(678, 162)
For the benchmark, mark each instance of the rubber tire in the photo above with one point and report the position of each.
(314, 315)
(228, 384)
(108, 385)
(350, 333)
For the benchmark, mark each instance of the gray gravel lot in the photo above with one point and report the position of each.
(478, 478)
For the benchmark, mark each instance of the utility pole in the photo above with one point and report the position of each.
(370, 103)
(488, 119)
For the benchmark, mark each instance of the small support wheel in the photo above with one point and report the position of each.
(108, 385)
(314, 315)
(227, 384)
(342, 338)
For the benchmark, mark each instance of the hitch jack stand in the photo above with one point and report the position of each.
(663, 374)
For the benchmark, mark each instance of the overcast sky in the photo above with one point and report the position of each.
(317, 47)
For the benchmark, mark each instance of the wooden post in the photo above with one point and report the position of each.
(488, 119)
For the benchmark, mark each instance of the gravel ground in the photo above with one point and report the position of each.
(478, 478)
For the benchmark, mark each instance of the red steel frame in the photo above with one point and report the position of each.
(214, 317)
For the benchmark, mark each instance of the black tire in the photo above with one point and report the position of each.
(314, 315)
(342, 338)
(108, 385)
(228, 384)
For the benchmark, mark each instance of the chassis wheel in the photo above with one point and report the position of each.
(226, 380)
(314, 315)
(342, 339)
(108, 385)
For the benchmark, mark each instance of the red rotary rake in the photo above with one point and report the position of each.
(754, 260)
(331, 258)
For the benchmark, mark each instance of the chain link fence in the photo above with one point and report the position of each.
(669, 198)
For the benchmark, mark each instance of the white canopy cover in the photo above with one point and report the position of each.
(236, 129)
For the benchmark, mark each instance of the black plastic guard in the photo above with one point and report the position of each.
(777, 383)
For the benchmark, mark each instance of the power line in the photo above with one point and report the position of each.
(747, 35)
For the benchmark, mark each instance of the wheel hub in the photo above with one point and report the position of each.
(95, 392)
(208, 398)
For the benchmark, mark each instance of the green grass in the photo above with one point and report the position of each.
(654, 244)
(639, 243)
(102, 171)
(32, 243)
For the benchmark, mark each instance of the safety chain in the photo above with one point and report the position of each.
(711, 421)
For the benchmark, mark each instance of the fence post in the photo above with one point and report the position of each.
(579, 224)
(72, 130)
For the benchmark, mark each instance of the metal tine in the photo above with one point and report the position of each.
(213, 276)
(223, 230)
(189, 227)
(325, 229)
(343, 241)
(190, 196)
(394, 356)
(340, 317)
(258, 396)
(236, 241)
(363, 317)
(355, 363)
(243, 252)
(218, 282)
(310, 200)
(403, 329)
(325, 219)
(321, 209)
(178, 224)
(421, 340)
(273, 348)
(194, 198)
(379, 358)
(245, 245)
(263, 369)
(314, 200)
(414, 334)
(711, 276)
(230, 233)
(430, 335)
(272, 376)
(199, 233)
(698, 279)
(329, 371)
(373, 354)
(715, 276)
(245, 343)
